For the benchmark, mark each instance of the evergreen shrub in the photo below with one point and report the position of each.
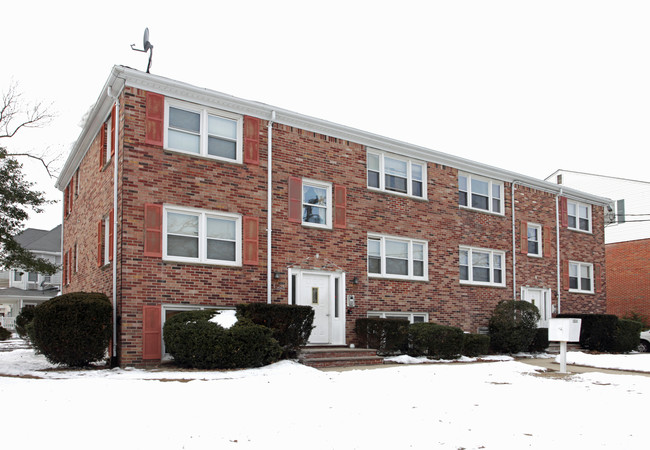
(435, 341)
(597, 331)
(540, 341)
(387, 336)
(4, 334)
(73, 329)
(627, 336)
(513, 326)
(291, 325)
(23, 319)
(475, 344)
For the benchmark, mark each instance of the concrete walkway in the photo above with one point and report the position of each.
(553, 367)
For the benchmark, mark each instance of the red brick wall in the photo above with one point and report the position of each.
(628, 275)
(151, 175)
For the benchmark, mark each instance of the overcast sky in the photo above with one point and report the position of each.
(527, 86)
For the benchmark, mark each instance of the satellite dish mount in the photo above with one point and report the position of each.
(147, 46)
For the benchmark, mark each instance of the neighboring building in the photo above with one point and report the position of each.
(31, 288)
(362, 225)
(627, 238)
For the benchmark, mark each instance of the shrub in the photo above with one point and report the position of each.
(637, 317)
(513, 326)
(72, 329)
(23, 319)
(291, 325)
(475, 344)
(196, 342)
(627, 336)
(597, 331)
(4, 334)
(388, 336)
(435, 341)
(540, 341)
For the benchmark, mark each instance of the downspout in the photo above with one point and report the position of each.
(557, 253)
(269, 206)
(514, 245)
(116, 143)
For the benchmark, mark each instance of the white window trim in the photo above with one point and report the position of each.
(491, 183)
(109, 139)
(591, 272)
(382, 238)
(204, 112)
(107, 244)
(409, 181)
(203, 215)
(407, 315)
(469, 265)
(538, 227)
(329, 206)
(578, 205)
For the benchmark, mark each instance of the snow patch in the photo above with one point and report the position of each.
(226, 318)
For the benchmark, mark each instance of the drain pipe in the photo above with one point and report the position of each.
(514, 248)
(115, 141)
(269, 206)
(557, 253)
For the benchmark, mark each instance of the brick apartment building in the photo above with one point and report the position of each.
(361, 225)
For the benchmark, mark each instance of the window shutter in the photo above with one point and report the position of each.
(71, 194)
(65, 272)
(547, 241)
(598, 275)
(65, 201)
(565, 275)
(113, 140)
(251, 140)
(153, 230)
(151, 332)
(102, 146)
(523, 230)
(110, 236)
(154, 119)
(100, 254)
(295, 199)
(340, 206)
(564, 212)
(69, 264)
(251, 240)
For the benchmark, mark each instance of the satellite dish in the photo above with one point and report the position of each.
(147, 46)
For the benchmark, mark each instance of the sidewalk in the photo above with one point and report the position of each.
(554, 367)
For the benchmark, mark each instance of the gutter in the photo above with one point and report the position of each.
(269, 208)
(115, 142)
(514, 241)
(557, 253)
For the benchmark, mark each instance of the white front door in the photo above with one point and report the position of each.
(315, 292)
(542, 299)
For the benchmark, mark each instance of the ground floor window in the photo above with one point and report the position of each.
(169, 311)
(413, 317)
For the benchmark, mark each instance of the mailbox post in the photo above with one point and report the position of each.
(564, 330)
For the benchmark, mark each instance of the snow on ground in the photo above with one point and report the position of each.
(633, 361)
(504, 404)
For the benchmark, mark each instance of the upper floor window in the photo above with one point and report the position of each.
(534, 239)
(579, 215)
(480, 193)
(482, 266)
(392, 257)
(316, 203)
(397, 175)
(202, 131)
(581, 277)
(194, 235)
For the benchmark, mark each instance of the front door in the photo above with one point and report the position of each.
(542, 299)
(315, 292)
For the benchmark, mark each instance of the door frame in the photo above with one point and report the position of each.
(546, 299)
(336, 320)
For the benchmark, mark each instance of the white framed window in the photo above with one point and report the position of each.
(169, 311)
(106, 238)
(482, 266)
(396, 175)
(316, 203)
(581, 277)
(195, 235)
(394, 257)
(480, 193)
(109, 139)
(534, 239)
(579, 216)
(197, 130)
(413, 317)
(18, 275)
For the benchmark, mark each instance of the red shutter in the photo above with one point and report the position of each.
(153, 230)
(110, 236)
(151, 332)
(65, 273)
(547, 241)
(113, 124)
(251, 240)
(100, 254)
(598, 274)
(65, 201)
(71, 193)
(565, 274)
(154, 119)
(69, 264)
(564, 212)
(340, 206)
(295, 199)
(251, 140)
(102, 146)
(523, 231)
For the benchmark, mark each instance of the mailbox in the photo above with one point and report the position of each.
(564, 330)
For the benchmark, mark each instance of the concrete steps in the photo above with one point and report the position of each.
(338, 356)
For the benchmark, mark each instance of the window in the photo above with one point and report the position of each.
(194, 235)
(581, 277)
(390, 257)
(169, 311)
(534, 240)
(480, 193)
(397, 175)
(412, 317)
(316, 204)
(482, 266)
(107, 239)
(18, 275)
(32, 277)
(202, 131)
(579, 215)
(109, 139)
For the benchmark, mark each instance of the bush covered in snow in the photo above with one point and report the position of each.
(627, 336)
(387, 336)
(4, 334)
(435, 341)
(475, 344)
(195, 341)
(513, 326)
(73, 329)
(23, 320)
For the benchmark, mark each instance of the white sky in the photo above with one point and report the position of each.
(527, 86)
